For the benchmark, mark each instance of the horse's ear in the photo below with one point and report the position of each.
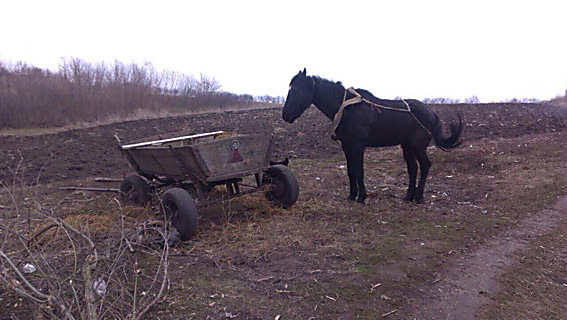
(304, 72)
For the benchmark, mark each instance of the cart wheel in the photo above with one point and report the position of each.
(283, 186)
(134, 191)
(180, 207)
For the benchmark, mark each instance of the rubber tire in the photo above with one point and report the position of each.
(134, 190)
(180, 208)
(285, 183)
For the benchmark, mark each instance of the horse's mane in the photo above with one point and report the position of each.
(328, 84)
(368, 95)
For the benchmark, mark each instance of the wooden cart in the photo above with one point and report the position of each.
(191, 166)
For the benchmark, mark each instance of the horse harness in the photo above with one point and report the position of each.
(359, 98)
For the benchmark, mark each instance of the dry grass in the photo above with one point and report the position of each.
(95, 225)
(321, 257)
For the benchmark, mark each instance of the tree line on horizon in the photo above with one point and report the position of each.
(472, 99)
(84, 92)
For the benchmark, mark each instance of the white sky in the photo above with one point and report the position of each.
(494, 49)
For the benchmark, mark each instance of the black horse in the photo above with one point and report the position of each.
(373, 122)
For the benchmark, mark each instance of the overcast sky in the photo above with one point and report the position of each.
(494, 49)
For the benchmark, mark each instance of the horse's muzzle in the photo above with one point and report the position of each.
(286, 118)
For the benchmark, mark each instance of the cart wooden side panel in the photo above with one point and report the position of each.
(233, 157)
(172, 162)
(220, 159)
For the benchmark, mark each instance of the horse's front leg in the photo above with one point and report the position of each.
(358, 165)
(351, 175)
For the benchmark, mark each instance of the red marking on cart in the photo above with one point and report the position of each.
(236, 157)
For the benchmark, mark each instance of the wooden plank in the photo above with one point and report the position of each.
(234, 175)
(158, 142)
(103, 179)
(91, 189)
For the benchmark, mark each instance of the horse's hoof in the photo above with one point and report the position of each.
(419, 200)
(351, 198)
(410, 196)
(361, 201)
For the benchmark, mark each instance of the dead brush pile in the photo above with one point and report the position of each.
(113, 264)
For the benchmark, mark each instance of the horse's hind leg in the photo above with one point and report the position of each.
(424, 165)
(409, 156)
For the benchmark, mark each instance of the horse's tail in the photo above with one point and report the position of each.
(455, 137)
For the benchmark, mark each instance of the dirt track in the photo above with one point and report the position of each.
(470, 281)
(320, 259)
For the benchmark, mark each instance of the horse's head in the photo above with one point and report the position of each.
(299, 96)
